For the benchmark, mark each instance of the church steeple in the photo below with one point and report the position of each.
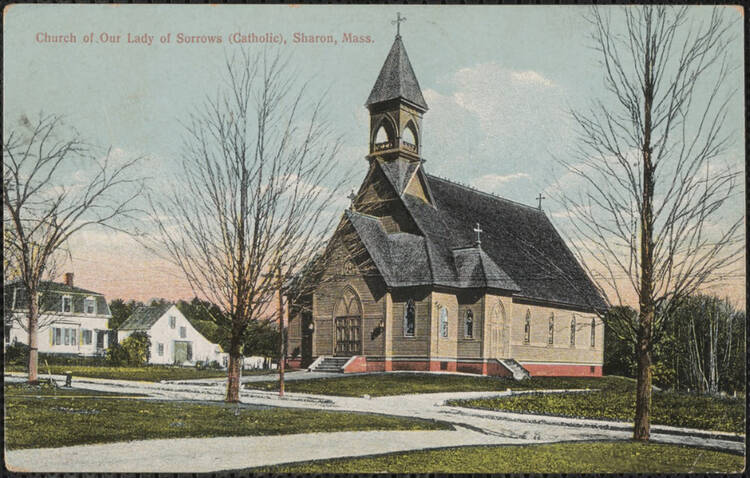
(396, 107)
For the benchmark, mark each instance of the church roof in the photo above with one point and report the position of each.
(520, 250)
(397, 79)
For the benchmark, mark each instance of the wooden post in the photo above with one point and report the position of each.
(282, 339)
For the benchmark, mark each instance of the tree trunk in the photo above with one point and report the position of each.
(233, 374)
(646, 299)
(642, 428)
(33, 337)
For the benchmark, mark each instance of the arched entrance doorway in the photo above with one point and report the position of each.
(348, 325)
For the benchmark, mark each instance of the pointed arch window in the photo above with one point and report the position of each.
(443, 316)
(409, 318)
(527, 328)
(409, 137)
(381, 136)
(469, 325)
(573, 331)
(551, 334)
(593, 332)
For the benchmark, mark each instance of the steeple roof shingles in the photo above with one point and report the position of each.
(397, 79)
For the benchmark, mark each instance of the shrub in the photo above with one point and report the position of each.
(117, 355)
(138, 348)
(17, 353)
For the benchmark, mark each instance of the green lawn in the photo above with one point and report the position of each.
(676, 409)
(615, 399)
(592, 457)
(378, 385)
(151, 373)
(45, 417)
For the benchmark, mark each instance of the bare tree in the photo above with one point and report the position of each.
(647, 207)
(252, 204)
(55, 185)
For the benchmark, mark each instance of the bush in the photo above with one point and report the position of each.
(117, 355)
(138, 348)
(17, 354)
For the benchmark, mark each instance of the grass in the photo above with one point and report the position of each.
(43, 417)
(590, 457)
(615, 399)
(151, 373)
(618, 403)
(378, 385)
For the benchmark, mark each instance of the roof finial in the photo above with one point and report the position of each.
(539, 198)
(397, 22)
(479, 231)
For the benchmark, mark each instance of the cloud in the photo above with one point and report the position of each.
(488, 182)
(496, 128)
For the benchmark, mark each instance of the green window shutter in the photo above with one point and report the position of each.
(51, 336)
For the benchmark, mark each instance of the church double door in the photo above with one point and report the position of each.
(348, 336)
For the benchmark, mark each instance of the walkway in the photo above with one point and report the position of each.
(472, 427)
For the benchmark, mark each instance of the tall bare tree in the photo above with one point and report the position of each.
(54, 186)
(251, 206)
(649, 180)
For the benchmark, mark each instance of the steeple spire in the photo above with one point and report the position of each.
(397, 79)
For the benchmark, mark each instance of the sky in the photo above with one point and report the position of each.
(499, 83)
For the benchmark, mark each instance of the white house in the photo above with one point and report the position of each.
(72, 320)
(173, 339)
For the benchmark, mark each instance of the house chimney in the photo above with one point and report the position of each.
(69, 279)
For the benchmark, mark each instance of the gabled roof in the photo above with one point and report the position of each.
(397, 79)
(144, 317)
(51, 294)
(520, 251)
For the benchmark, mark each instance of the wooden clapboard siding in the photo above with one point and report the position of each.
(539, 349)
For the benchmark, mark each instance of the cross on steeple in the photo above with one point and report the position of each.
(397, 22)
(479, 231)
(539, 198)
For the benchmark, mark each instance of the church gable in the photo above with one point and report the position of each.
(379, 197)
(417, 187)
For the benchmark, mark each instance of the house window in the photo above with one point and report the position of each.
(58, 336)
(85, 337)
(573, 331)
(73, 337)
(593, 332)
(469, 325)
(190, 351)
(527, 328)
(89, 305)
(160, 349)
(67, 303)
(172, 321)
(183, 332)
(551, 334)
(409, 318)
(443, 315)
(66, 335)
(8, 326)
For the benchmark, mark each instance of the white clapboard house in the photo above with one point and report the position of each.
(173, 339)
(73, 321)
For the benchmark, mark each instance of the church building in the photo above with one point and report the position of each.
(427, 274)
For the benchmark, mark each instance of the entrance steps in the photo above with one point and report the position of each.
(329, 364)
(519, 373)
